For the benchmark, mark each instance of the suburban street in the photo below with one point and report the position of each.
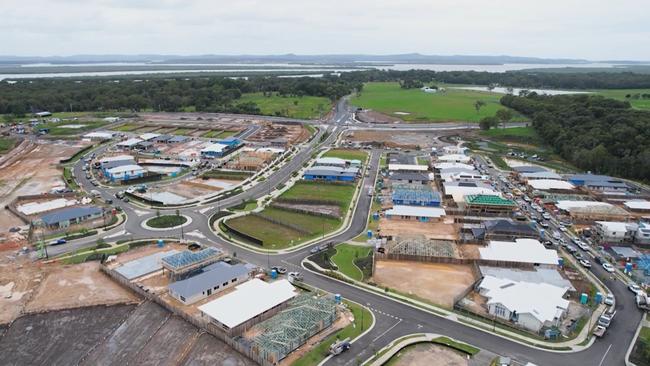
(393, 318)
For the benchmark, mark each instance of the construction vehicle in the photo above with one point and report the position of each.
(339, 347)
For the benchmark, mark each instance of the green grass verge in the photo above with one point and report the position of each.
(69, 179)
(452, 105)
(166, 221)
(245, 206)
(345, 256)
(94, 254)
(362, 321)
(6, 144)
(340, 193)
(305, 107)
(459, 346)
(347, 154)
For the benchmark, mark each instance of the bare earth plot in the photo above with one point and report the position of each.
(169, 345)
(427, 354)
(61, 337)
(208, 351)
(436, 282)
(429, 230)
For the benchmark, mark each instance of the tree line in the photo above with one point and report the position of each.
(594, 133)
(518, 79)
(213, 94)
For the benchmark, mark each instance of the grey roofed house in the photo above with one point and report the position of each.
(598, 181)
(401, 159)
(508, 228)
(177, 139)
(115, 163)
(68, 214)
(537, 275)
(529, 169)
(328, 171)
(212, 275)
(419, 177)
(163, 138)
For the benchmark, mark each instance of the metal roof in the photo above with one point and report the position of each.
(212, 275)
(70, 214)
(488, 200)
(415, 211)
(187, 257)
(410, 176)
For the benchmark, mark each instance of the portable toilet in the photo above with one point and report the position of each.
(337, 298)
(584, 298)
(628, 267)
(161, 243)
(599, 298)
(369, 233)
(560, 262)
(375, 216)
(274, 274)
(541, 234)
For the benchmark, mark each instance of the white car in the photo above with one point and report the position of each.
(562, 229)
(608, 267)
(634, 288)
(585, 263)
(609, 300)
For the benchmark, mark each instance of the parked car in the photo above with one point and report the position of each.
(58, 242)
(635, 288)
(280, 270)
(608, 267)
(609, 300)
(605, 320)
(562, 229)
(599, 260)
(585, 263)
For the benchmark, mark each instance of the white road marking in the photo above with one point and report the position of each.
(123, 232)
(605, 355)
(389, 329)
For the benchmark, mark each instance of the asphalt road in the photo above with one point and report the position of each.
(393, 319)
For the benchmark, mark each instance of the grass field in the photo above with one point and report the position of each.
(526, 135)
(182, 131)
(452, 105)
(621, 93)
(57, 130)
(362, 321)
(166, 221)
(6, 144)
(340, 193)
(212, 134)
(294, 107)
(127, 127)
(345, 256)
(347, 154)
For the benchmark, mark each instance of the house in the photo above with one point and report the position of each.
(550, 185)
(640, 206)
(70, 216)
(506, 230)
(409, 178)
(454, 150)
(112, 119)
(163, 139)
(642, 234)
(528, 251)
(487, 203)
(214, 151)
(331, 174)
(530, 305)
(587, 211)
(441, 166)
(455, 158)
(250, 303)
(451, 174)
(128, 144)
(610, 232)
(42, 114)
(145, 146)
(125, 172)
(540, 175)
(99, 136)
(337, 162)
(458, 190)
(415, 195)
(602, 183)
(212, 279)
(148, 136)
(423, 214)
(177, 139)
(231, 142)
(529, 169)
(407, 168)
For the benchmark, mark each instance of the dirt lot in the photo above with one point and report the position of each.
(75, 286)
(469, 251)
(208, 351)
(437, 283)
(334, 211)
(33, 172)
(404, 140)
(430, 230)
(376, 117)
(427, 354)
(27, 286)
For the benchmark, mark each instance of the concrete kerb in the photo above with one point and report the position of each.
(372, 325)
(346, 223)
(143, 224)
(397, 345)
(452, 316)
(642, 323)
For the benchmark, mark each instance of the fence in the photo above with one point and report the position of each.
(197, 322)
(280, 223)
(448, 260)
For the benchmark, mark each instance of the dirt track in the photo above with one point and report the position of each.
(427, 354)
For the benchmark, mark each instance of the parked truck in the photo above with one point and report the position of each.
(600, 331)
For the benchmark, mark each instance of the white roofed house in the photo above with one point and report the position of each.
(609, 232)
(125, 172)
(528, 251)
(129, 144)
(423, 214)
(552, 185)
(455, 158)
(528, 305)
(407, 168)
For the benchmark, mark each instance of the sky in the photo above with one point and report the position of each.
(595, 30)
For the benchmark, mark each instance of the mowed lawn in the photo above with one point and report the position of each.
(305, 107)
(347, 154)
(452, 105)
(339, 193)
(621, 94)
(57, 130)
(345, 256)
(515, 134)
(272, 235)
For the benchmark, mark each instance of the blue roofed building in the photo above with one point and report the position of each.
(231, 142)
(212, 279)
(70, 216)
(603, 183)
(331, 174)
(415, 195)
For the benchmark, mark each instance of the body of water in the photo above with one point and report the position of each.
(515, 91)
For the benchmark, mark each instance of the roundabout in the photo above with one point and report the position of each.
(166, 222)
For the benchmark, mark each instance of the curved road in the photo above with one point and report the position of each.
(393, 318)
